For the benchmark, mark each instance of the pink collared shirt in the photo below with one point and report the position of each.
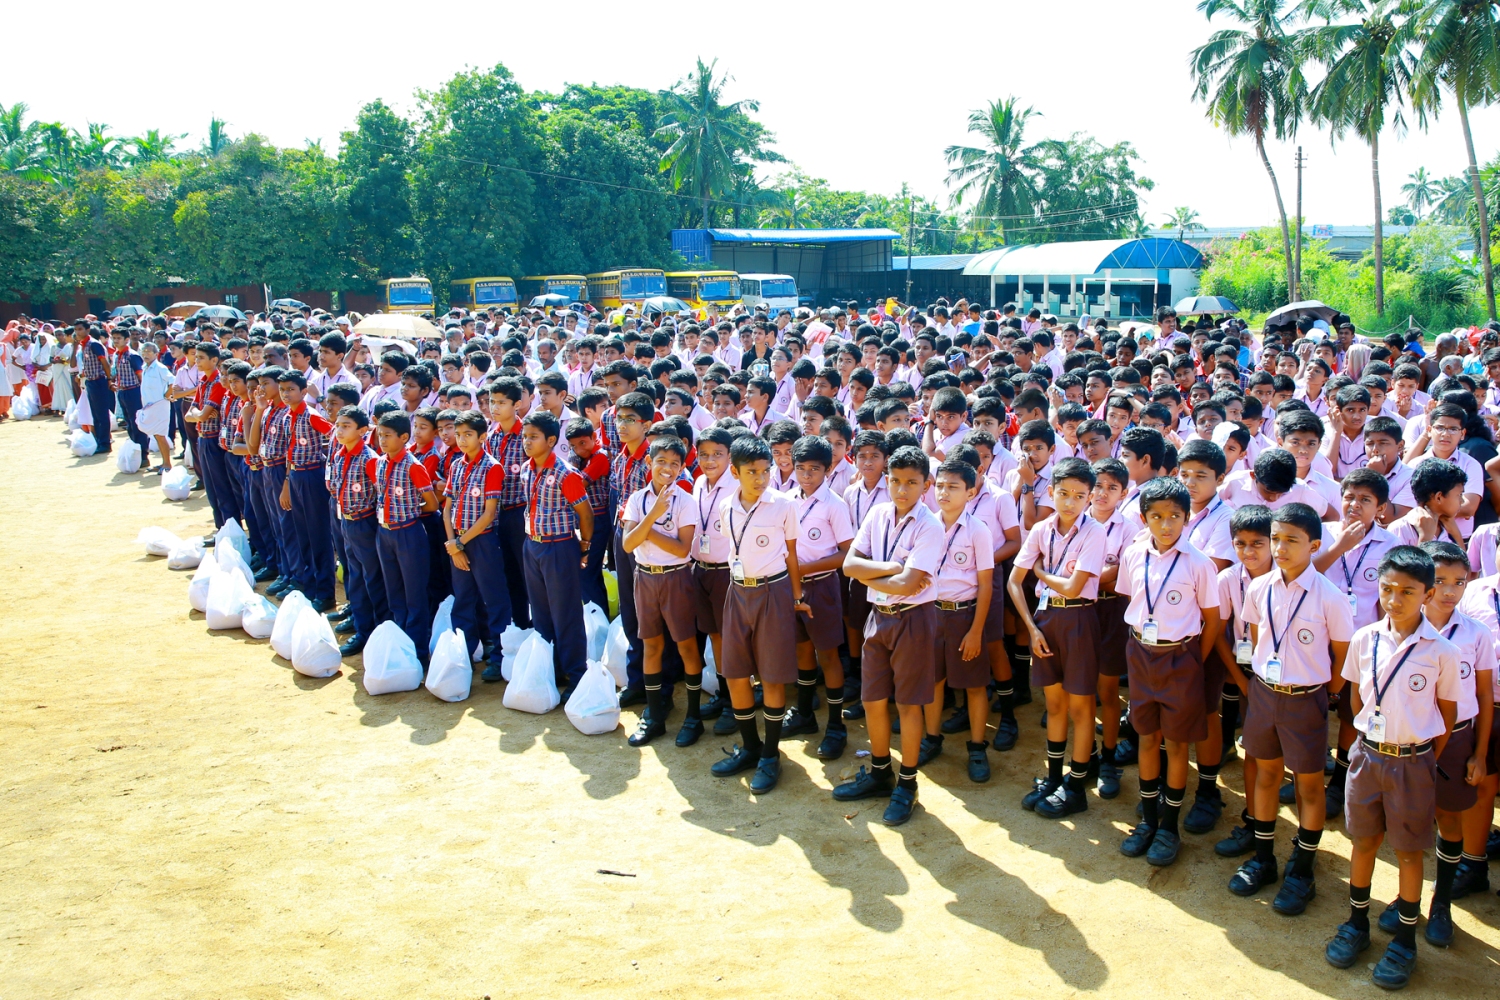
(862, 502)
(968, 550)
(1063, 554)
(1240, 490)
(1307, 615)
(823, 520)
(1208, 530)
(758, 536)
(1171, 588)
(679, 515)
(1476, 654)
(1481, 602)
(1234, 584)
(1356, 572)
(915, 541)
(1420, 670)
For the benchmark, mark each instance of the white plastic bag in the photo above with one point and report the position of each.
(128, 457)
(186, 554)
(594, 706)
(227, 594)
(32, 398)
(596, 627)
(208, 568)
(710, 671)
(450, 674)
(258, 617)
(315, 649)
(391, 663)
(230, 560)
(70, 416)
(233, 535)
(441, 622)
(532, 687)
(176, 482)
(512, 638)
(292, 608)
(508, 659)
(158, 541)
(82, 443)
(83, 414)
(616, 649)
(23, 408)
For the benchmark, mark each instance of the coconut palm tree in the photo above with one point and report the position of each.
(218, 138)
(708, 137)
(785, 207)
(1000, 175)
(1454, 198)
(1420, 190)
(1369, 71)
(152, 147)
(1461, 55)
(1183, 219)
(1251, 79)
(20, 142)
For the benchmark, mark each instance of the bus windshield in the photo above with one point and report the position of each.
(778, 288)
(640, 286)
(573, 290)
(718, 289)
(490, 293)
(411, 294)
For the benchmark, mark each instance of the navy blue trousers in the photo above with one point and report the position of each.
(363, 582)
(336, 534)
(101, 405)
(258, 521)
(130, 402)
(283, 539)
(592, 581)
(510, 528)
(314, 537)
(404, 568)
(214, 472)
(552, 578)
(440, 567)
(481, 599)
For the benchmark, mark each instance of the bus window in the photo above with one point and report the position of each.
(775, 288)
(750, 287)
(719, 289)
(573, 289)
(410, 293)
(495, 293)
(642, 285)
(458, 294)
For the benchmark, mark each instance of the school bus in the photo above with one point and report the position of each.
(633, 285)
(573, 287)
(483, 293)
(407, 295)
(702, 289)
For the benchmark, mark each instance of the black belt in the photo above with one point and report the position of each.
(357, 517)
(893, 609)
(1397, 749)
(1459, 727)
(1291, 689)
(709, 565)
(1110, 597)
(1063, 602)
(819, 576)
(650, 570)
(751, 582)
(1135, 634)
(954, 605)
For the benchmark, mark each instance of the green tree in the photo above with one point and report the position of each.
(1182, 219)
(997, 178)
(151, 147)
(1251, 79)
(785, 207)
(373, 182)
(1400, 215)
(21, 150)
(1085, 190)
(1461, 55)
(31, 223)
(708, 137)
(1420, 190)
(218, 138)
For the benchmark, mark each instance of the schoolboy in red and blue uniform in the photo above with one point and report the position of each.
(208, 397)
(93, 369)
(354, 495)
(304, 493)
(481, 599)
(127, 366)
(592, 462)
(403, 493)
(505, 447)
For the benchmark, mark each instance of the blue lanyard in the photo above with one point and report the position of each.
(949, 546)
(1348, 575)
(1375, 667)
(885, 555)
(1052, 566)
(1151, 604)
(1271, 621)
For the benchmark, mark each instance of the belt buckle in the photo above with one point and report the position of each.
(1389, 749)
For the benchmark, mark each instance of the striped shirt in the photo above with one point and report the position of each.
(398, 489)
(307, 447)
(210, 392)
(91, 360)
(596, 474)
(275, 431)
(551, 491)
(349, 481)
(509, 453)
(230, 424)
(472, 483)
(628, 473)
(127, 366)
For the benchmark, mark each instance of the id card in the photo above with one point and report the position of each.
(1243, 651)
(1041, 603)
(1375, 727)
(1354, 605)
(1273, 670)
(703, 545)
(1149, 632)
(380, 516)
(880, 597)
(736, 569)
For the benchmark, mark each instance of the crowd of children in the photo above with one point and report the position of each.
(915, 513)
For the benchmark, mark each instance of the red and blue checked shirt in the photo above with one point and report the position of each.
(275, 432)
(509, 453)
(210, 392)
(596, 473)
(229, 422)
(551, 492)
(91, 360)
(398, 489)
(628, 473)
(127, 369)
(430, 458)
(473, 481)
(609, 434)
(252, 462)
(349, 481)
(307, 448)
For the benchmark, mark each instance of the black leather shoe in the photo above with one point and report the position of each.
(1139, 840)
(958, 722)
(736, 760)
(267, 573)
(834, 742)
(344, 626)
(690, 731)
(321, 604)
(279, 587)
(726, 723)
(979, 763)
(1126, 752)
(1439, 930)
(855, 710)
(903, 803)
(632, 695)
(1395, 967)
(1204, 815)
(1295, 893)
(930, 750)
(866, 784)
(767, 774)
(1040, 789)
(646, 730)
(1063, 802)
(338, 614)
(492, 673)
(352, 646)
(1348, 943)
(798, 725)
(1470, 878)
(1390, 918)
(714, 707)
(1241, 841)
(1253, 876)
(1006, 735)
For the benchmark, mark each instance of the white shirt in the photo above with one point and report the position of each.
(1171, 588)
(679, 515)
(916, 542)
(1208, 530)
(378, 394)
(1356, 573)
(823, 522)
(1475, 485)
(1416, 682)
(758, 536)
(1481, 603)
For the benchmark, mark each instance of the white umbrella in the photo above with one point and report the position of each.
(398, 326)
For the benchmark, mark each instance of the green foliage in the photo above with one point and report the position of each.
(373, 184)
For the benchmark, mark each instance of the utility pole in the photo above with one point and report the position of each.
(1297, 259)
(911, 231)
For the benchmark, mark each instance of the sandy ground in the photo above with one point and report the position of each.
(185, 816)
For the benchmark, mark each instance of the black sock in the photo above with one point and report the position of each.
(749, 732)
(1106, 754)
(1307, 851)
(854, 679)
(772, 745)
(1151, 801)
(1340, 768)
(694, 694)
(1359, 907)
(835, 697)
(1208, 780)
(807, 689)
(1449, 853)
(1005, 694)
(1077, 774)
(1055, 751)
(655, 703)
(908, 778)
(879, 764)
(1229, 717)
(972, 746)
(1162, 754)
(1021, 668)
(1171, 807)
(1265, 839)
(1407, 934)
(1245, 820)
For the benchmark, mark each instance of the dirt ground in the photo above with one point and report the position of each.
(185, 816)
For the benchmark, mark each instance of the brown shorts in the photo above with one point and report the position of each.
(1292, 727)
(856, 604)
(1112, 635)
(713, 588)
(1396, 796)
(666, 602)
(898, 655)
(958, 672)
(1454, 794)
(1166, 690)
(759, 638)
(1493, 763)
(1073, 636)
(825, 629)
(994, 622)
(1214, 676)
(1345, 708)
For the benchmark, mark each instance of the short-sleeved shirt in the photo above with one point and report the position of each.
(1475, 484)
(758, 536)
(470, 483)
(1240, 491)
(862, 501)
(551, 491)
(1234, 584)
(127, 365)
(1356, 573)
(841, 475)
(210, 392)
(1481, 602)
(399, 486)
(1476, 654)
(1171, 588)
(349, 480)
(1410, 685)
(596, 474)
(307, 448)
(1482, 549)
(968, 550)
(706, 499)
(783, 483)
(1326, 487)
(823, 523)
(679, 515)
(627, 474)
(1351, 453)
(1208, 530)
(1063, 554)
(1306, 616)
(1117, 535)
(275, 431)
(1398, 482)
(915, 541)
(509, 453)
(93, 361)
(1043, 482)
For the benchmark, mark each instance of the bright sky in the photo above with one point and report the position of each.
(855, 93)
